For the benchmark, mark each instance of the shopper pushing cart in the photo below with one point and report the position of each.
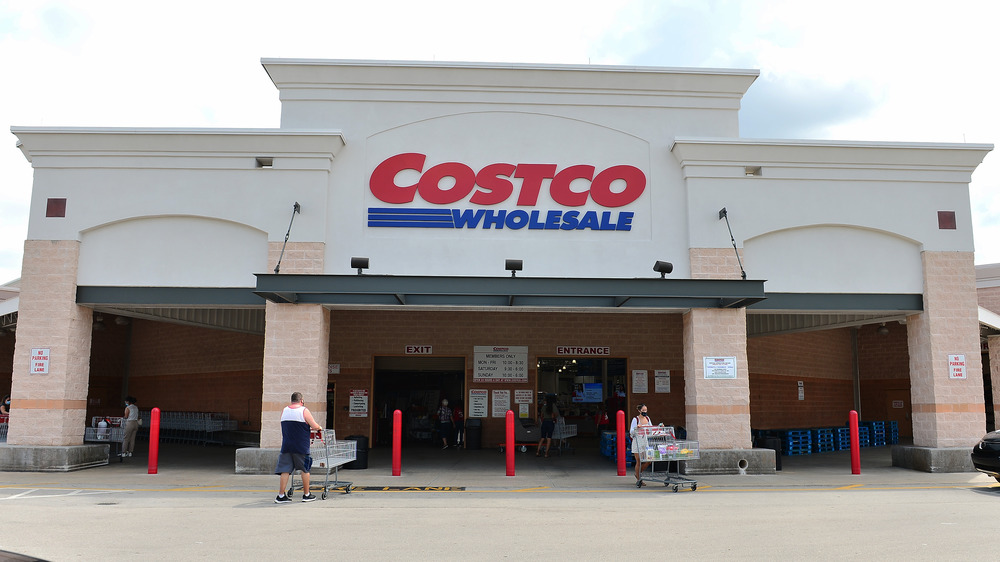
(296, 424)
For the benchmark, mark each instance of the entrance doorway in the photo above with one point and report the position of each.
(415, 386)
(584, 387)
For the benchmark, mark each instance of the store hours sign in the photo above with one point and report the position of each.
(496, 363)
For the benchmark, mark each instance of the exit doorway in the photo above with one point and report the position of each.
(415, 387)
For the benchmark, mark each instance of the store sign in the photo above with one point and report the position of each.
(478, 398)
(501, 403)
(500, 364)
(359, 403)
(720, 367)
(602, 350)
(419, 350)
(501, 183)
(956, 367)
(39, 361)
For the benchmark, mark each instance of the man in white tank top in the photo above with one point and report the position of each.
(296, 422)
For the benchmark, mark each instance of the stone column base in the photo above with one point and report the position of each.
(33, 458)
(732, 461)
(931, 459)
(256, 460)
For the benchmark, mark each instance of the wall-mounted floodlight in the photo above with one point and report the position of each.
(360, 264)
(513, 266)
(663, 268)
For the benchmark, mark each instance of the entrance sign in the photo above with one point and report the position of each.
(956, 367)
(720, 367)
(602, 350)
(501, 364)
(501, 403)
(359, 403)
(39, 361)
(478, 398)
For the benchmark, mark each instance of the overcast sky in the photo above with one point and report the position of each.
(914, 71)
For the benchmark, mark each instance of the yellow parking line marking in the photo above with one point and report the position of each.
(850, 486)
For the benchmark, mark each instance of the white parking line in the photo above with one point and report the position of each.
(27, 494)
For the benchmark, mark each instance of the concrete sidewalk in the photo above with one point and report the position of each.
(192, 466)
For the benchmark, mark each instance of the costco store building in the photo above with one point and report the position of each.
(488, 233)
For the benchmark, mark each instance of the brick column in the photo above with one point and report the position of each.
(717, 410)
(946, 412)
(994, 344)
(50, 409)
(296, 346)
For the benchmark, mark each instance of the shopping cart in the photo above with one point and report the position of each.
(562, 433)
(113, 433)
(328, 454)
(656, 444)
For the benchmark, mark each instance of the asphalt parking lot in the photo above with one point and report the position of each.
(456, 505)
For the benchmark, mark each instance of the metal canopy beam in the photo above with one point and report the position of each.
(214, 297)
(508, 291)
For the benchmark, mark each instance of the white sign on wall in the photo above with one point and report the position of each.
(523, 396)
(720, 367)
(496, 363)
(359, 403)
(333, 369)
(661, 380)
(640, 381)
(956, 367)
(501, 403)
(39, 361)
(478, 398)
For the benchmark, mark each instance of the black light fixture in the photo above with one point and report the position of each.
(663, 268)
(513, 266)
(360, 264)
(883, 330)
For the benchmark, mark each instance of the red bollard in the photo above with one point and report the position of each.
(397, 442)
(855, 446)
(510, 443)
(154, 441)
(620, 441)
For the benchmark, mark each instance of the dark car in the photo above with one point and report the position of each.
(986, 455)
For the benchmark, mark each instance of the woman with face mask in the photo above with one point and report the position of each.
(640, 420)
(5, 407)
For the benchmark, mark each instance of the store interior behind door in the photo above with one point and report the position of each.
(414, 386)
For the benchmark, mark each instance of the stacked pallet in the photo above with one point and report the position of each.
(796, 442)
(842, 436)
(608, 447)
(863, 436)
(892, 432)
(876, 433)
(822, 440)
